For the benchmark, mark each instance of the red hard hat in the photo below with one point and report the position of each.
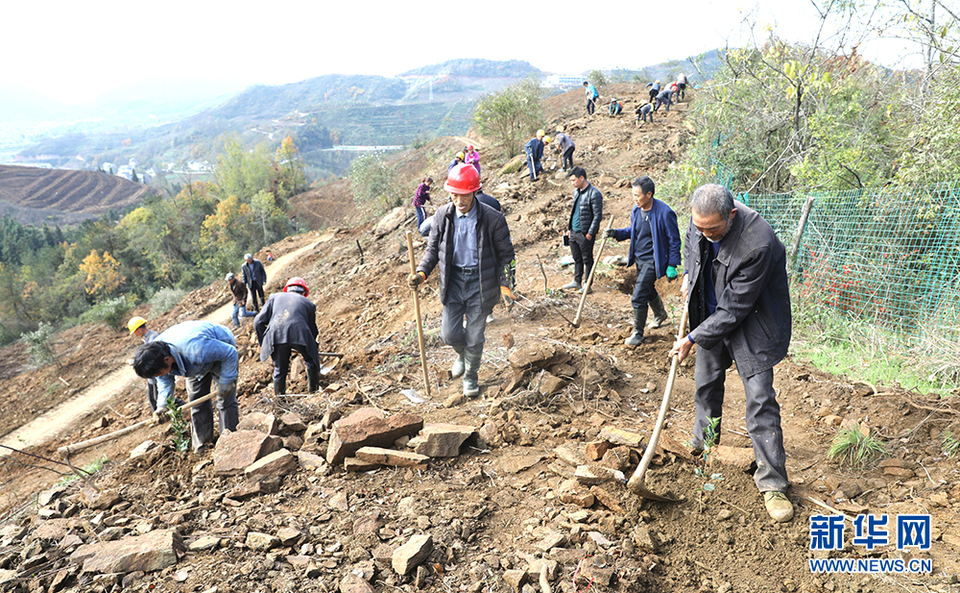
(462, 179)
(297, 281)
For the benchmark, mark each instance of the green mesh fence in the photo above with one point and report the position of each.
(889, 256)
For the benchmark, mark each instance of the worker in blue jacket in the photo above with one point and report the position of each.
(655, 248)
(534, 150)
(202, 352)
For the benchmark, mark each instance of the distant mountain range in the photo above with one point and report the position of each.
(167, 127)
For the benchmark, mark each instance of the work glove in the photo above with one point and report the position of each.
(671, 273)
(161, 415)
(416, 279)
(611, 234)
(506, 292)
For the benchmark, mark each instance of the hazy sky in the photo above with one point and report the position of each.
(76, 51)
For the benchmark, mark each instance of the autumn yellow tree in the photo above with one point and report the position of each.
(290, 179)
(103, 275)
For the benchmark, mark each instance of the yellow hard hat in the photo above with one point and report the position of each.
(546, 139)
(135, 323)
(460, 156)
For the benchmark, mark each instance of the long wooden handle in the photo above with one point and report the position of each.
(68, 450)
(664, 406)
(416, 306)
(586, 287)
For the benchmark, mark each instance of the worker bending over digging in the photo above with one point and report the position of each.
(288, 322)
(201, 352)
(471, 243)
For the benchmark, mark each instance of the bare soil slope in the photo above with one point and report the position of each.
(87, 193)
(496, 507)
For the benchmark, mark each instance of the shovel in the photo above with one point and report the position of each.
(636, 484)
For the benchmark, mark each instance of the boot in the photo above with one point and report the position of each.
(639, 318)
(471, 381)
(660, 315)
(313, 380)
(279, 385)
(458, 365)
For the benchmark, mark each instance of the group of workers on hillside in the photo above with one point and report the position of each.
(659, 95)
(206, 353)
(734, 287)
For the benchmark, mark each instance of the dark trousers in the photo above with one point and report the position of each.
(281, 358)
(567, 158)
(662, 102)
(590, 106)
(421, 215)
(681, 90)
(464, 302)
(581, 249)
(643, 116)
(653, 94)
(762, 414)
(533, 164)
(152, 394)
(201, 416)
(255, 288)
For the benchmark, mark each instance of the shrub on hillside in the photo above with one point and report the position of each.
(375, 186)
(510, 116)
(166, 299)
(112, 312)
(40, 345)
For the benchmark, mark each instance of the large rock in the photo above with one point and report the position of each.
(412, 553)
(266, 423)
(257, 485)
(150, 552)
(538, 355)
(237, 450)
(352, 583)
(441, 440)
(391, 221)
(392, 457)
(368, 427)
(257, 540)
(618, 436)
(278, 463)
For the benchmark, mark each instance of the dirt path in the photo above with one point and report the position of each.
(96, 399)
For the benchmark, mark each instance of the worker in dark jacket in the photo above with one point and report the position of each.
(288, 322)
(655, 248)
(534, 150)
(471, 244)
(736, 290)
(239, 291)
(663, 98)
(583, 226)
(255, 277)
(565, 147)
(201, 352)
(643, 111)
(654, 89)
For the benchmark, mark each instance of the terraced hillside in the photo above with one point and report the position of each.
(32, 194)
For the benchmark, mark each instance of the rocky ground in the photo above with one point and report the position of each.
(366, 487)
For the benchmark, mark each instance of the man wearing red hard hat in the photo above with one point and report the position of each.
(288, 322)
(471, 243)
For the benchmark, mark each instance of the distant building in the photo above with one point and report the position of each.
(562, 80)
(133, 163)
(108, 168)
(126, 172)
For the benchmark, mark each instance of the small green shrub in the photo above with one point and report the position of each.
(856, 449)
(711, 435)
(181, 433)
(112, 312)
(40, 345)
(166, 299)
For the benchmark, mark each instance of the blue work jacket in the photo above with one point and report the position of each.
(196, 347)
(666, 236)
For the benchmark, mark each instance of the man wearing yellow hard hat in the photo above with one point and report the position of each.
(138, 327)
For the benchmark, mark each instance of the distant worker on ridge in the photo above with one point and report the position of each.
(239, 291)
(420, 198)
(592, 95)
(473, 157)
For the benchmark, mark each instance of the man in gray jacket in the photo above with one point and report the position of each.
(471, 244)
(736, 291)
(288, 322)
(583, 226)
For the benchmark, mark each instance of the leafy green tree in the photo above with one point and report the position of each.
(374, 184)
(931, 150)
(241, 172)
(290, 178)
(510, 116)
